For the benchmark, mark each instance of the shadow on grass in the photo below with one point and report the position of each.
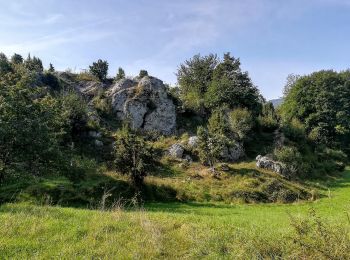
(91, 191)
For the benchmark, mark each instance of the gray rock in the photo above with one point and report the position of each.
(224, 167)
(94, 134)
(145, 104)
(98, 143)
(232, 153)
(188, 158)
(176, 151)
(193, 142)
(267, 163)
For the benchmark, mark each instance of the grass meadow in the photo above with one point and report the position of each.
(308, 230)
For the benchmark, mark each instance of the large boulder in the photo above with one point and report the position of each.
(176, 151)
(193, 142)
(232, 153)
(145, 103)
(267, 163)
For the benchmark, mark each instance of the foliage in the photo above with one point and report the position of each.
(120, 75)
(268, 119)
(99, 69)
(50, 79)
(5, 65)
(29, 140)
(51, 68)
(133, 156)
(143, 73)
(241, 122)
(34, 64)
(294, 130)
(194, 77)
(16, 59)
(210, 146)
(232, 87)
(291, 157)
(321, 101)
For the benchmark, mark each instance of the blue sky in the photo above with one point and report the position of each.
(273, 38)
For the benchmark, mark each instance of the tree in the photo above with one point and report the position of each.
(210, 147)
(34, 64)
(241, 122)
(51, 68)
(120, 74)
(291, 80)
(143, 73)
(133, 156)
(5, 66)
(232, 87)
(321, 101)
(29, 131)
(16, 59)
(99, 69)
(194, 77)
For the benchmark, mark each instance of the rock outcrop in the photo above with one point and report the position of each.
(269, 164)
(232, 153)
(176, 151)
(192, 142)
(145, 103)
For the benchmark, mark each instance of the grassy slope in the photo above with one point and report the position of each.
(162, 230)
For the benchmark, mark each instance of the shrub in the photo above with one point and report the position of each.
(294, 130)
(120, 74)
(241, 122)
(133, 156)
(5, 65)
(143, 73)
(16, 59)
(99, 69)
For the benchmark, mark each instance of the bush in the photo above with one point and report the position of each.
(291, 157)
(99, 69)
(241, 122)
(294, 130)
(133, 156)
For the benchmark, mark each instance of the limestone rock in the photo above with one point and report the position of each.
(269, 164)
(232, 153)
(145, 103)
(193, 142)
(176, 151)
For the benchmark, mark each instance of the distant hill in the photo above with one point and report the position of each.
(276, 102)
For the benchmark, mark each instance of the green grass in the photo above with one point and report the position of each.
(175, 230)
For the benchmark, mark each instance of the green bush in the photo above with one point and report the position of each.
(241, 122)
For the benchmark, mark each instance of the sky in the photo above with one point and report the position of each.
(272, 38)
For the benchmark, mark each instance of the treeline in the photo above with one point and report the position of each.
(44, 125)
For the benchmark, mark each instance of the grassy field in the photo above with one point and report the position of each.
(176, 230)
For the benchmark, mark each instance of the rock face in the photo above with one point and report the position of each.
(145, 103)
(233, 153)
(176, 151)
(269, 164)
(193, 142)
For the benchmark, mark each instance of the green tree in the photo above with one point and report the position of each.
(143, 73)
(28, 130)
(5, 65)
(210, 147)
(99, 69)
(232, 87)
(16, 59)
(321, 101)
(241, 122)
(133, 156)
(120, 74)
(51, 68)
(34, 64)
(194, 77)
